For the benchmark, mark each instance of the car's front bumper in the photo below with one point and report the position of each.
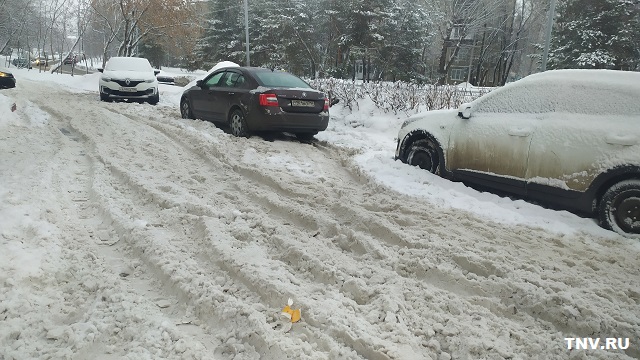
(142, 92)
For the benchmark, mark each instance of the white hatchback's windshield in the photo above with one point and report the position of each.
(128, 64)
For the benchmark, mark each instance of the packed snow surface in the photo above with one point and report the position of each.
(130, 233)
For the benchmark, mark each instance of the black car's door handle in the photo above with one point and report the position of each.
(231, 93)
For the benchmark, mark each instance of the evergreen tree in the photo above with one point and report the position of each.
(408, 30)
(223, 35)
(600, 34)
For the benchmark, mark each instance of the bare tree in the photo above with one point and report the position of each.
(13, 15)
(132, 21)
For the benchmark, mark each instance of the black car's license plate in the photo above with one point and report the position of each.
(303, 103)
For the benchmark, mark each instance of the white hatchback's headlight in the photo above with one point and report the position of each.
(106, 78)
(150, 81)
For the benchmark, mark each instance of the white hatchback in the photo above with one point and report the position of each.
(570, 138)
(129, 78)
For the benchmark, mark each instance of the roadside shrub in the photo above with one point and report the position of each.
(399, 96)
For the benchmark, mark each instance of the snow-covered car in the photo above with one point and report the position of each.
(7, 80)
(252, 99)
(567, 138)
(129, 78)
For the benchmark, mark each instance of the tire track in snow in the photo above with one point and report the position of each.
(138, 189)
(98, 308)
(267, 292)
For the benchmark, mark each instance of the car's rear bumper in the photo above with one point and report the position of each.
(291, 122)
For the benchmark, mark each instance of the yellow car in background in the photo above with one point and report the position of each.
(39, 61)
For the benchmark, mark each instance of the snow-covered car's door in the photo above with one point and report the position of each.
(590, 129)
(491, 147)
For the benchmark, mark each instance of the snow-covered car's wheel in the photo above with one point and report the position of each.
(185, 109)
(425, 154)
(619, 208)
(237, 124)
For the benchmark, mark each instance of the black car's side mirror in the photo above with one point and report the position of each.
(100, 69)
(199, 83)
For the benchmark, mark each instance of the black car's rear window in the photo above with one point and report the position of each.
(280, 79)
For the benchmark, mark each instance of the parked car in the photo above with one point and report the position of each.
(165, 78)
(129, 78)
(6, 79)
(39, 61)
(21, 63)
(568, 138)
(251, 99)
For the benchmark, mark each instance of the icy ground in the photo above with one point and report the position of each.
(129, 233)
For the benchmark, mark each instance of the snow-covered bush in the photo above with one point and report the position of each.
(397, 96)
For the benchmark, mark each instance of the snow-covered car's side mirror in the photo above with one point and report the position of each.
(464, 111)
(101, 69)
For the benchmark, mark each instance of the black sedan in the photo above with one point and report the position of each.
(251, 99)
(6, 79)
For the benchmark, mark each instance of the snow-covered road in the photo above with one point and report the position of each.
(127, 232)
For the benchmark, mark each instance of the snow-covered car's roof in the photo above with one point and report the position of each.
(615, 78)
(128, 64)
(223, 64)
(567, 91)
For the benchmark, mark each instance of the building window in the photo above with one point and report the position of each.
(458, 74)
(463, 53)
(457, 32)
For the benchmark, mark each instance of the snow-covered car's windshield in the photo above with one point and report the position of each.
(128, 64)
(280, 79)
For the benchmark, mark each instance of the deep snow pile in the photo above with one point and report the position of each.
(128, 232)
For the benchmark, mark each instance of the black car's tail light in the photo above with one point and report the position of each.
(326, 104)
(268, 100)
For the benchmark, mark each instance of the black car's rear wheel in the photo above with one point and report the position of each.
(307, 136)
(185, 109)
(619, 208)
(424, 154)
(238, 124)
